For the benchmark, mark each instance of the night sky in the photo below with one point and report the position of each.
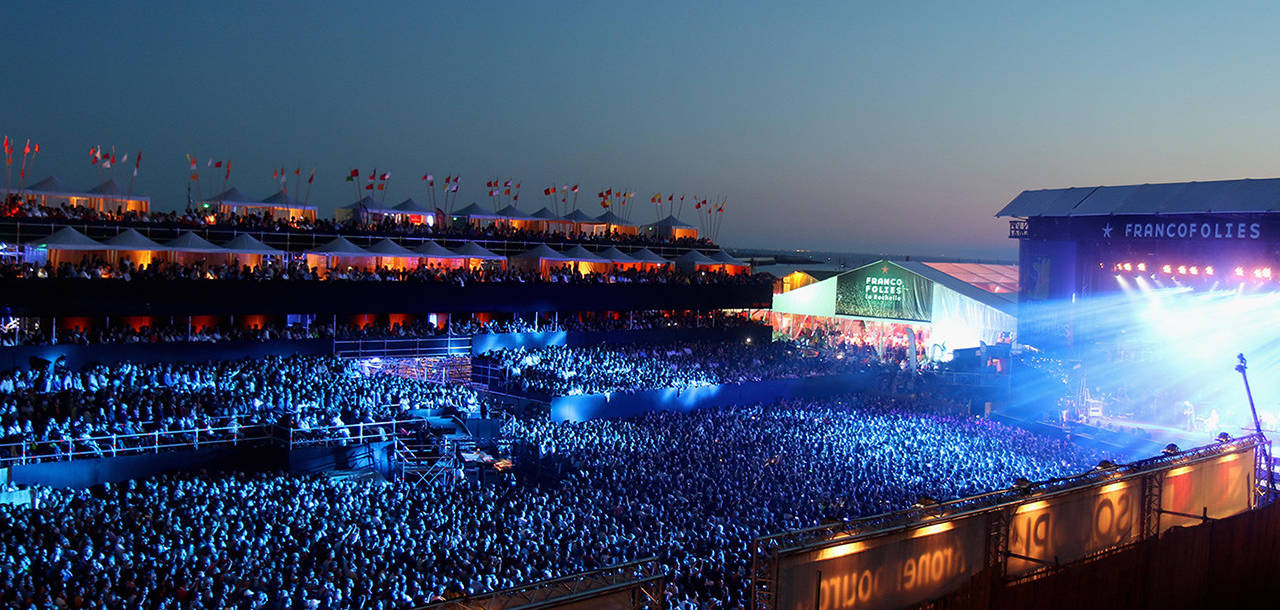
(838, 126)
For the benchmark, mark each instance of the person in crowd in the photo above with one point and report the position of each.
(692, 489)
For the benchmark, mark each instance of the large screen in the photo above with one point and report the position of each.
(889, 571)
(884, 291)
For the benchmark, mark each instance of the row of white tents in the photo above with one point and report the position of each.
(69, 239)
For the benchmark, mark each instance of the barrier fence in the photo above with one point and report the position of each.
(115, 445)
(916, 555)
(24, 230)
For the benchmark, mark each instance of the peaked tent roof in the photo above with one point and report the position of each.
(431, 249)
(578, 253)
(544, 252)
(546, 214)
(610, 218)
(473, 250)
(50, 185)
(339, 246)
(386, 247)
(514, 213)
(646, 255)
(724, 257)
(412, 207)
(581, 217)
(474, 210)
(67, 238)
(190, 242)
(1220, 196)
(231, 195)
(111, 189)
(618, 256)
(697, 258)
(670, 222)
(243, 243)
(130, 239)
(282, 198)
(368, 202)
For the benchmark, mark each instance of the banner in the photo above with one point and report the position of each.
(884, 290)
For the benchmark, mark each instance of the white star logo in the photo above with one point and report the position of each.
(1106, 231)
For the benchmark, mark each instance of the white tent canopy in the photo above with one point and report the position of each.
(190, 242)
(244, 243)
(67, 238)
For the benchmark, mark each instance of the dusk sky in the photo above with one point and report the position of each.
(869, 127)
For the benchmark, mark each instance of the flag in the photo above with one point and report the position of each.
(312, 177)
(210, 163)
(516, 197)
(488, 184)
(297, 172)
(195, 176)
(574, 189)
(125, 158)
(355, 173)
(217, 164)
(228, 176)
(27, 149)
(507, 192)
(275, 174)
(604, 203)
(385, 176)
(506, 184)
(517, 186)
(368, 187)
(37, 148)
(373, 174)
(448, 179)
(193, 163)
(382, 186)
(454, 189)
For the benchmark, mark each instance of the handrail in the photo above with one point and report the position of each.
(113, 445)
(299, 239)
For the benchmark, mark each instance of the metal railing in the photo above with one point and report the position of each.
(115, 445)
(426, 347)
(27, 229)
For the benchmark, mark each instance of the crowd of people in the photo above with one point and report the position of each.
(564, 371)
(268, 270)
(32, 333)
(385, 226)
(692, 489)
(104, 408)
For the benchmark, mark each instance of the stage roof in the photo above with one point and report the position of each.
(1006, 302)
(1249, 195)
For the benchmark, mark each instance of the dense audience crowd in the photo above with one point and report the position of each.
(409, 328)
(692, 489)
(95, 268)
(565, 371)
(16, 207)
(55, 410)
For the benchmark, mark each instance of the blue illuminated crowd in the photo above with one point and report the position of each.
(692, 489)
(564, 371)
(101, 408)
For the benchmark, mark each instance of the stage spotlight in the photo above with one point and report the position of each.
(1171, 449)
(1195, 271)
(1240, 271)
(1208, 270)
(1182, 269)
(1128, 267)
(1142, 266)
(1167, 268)
(1223, 437)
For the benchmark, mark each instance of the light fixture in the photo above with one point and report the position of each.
(1171, 449)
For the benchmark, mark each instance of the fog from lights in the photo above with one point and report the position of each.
(1177, 344)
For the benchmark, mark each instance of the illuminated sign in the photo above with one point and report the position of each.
(884, 290)
(1188, 230)
(889, 571)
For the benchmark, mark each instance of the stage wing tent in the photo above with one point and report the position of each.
(285, 206)
(617, 224)
(888, 301)
(729, 264)
(587, 261)
(189, 247)
(476, 255)
(134, 246)
(648, 257)
(337, 253)
(618, 257)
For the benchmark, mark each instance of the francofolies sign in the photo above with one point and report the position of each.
(884, 290)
